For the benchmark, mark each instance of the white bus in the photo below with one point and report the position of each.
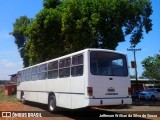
(90, 77)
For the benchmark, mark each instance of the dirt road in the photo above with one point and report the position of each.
(142, 110)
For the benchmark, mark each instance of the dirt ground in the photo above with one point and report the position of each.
(140, 109)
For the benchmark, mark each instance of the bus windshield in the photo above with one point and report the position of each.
(108, 64)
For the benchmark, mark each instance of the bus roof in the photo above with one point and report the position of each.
(75, 53)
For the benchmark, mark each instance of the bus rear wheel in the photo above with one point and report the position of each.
(23, 98)
(52, 103)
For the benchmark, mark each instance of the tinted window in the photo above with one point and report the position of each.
(52, 74)
(28, 74)
(35, 76)
(77, 65)
(108, 64)
(65, 72)
(53, 69)
(65, 63)
(53, 65)
(35, 71)
(43, 68)
(28, 71)
(64, 67)
(19, 79)
(77, 60)
(42, 72)
(23, 75)
(42, 75)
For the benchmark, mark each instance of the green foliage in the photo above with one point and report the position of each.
(19, 29)
(151, 67)
(44, 36)
(50, 3)
(132, 76)
(3, 97)
(67, 26)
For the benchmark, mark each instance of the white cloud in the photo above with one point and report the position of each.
(6, 54)
(10, 64)
(7, 63)
(8, 67)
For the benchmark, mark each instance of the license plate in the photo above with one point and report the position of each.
(111, 90)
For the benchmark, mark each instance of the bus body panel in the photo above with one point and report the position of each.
(43, 99)
(102, 85)
(52, 85)
(109, 102)
(31, 96)
(79, 101)
(64, 92)
(33, 85)
(77, 85)
(77, 91)
(40, 85)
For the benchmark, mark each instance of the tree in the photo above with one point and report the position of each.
(47, 4)
(62, 27)
(142, 77)
(151, 67)
(104, 23)
(132, 76)
(19, 29)
(44, 37)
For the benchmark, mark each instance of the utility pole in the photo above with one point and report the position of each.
(134, 64)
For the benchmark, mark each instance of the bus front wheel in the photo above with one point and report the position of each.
(52, 103)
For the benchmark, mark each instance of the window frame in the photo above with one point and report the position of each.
(42, 71)
(35, 70)
(77, 64)
(55, 68)
(124, 59)
(63, 68)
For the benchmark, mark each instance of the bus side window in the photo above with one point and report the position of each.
(19, 80)
(42, 73)
(77, 65)
(64, 67)
(35, 73)
(28, 74)
(53, 69)
(23, 76)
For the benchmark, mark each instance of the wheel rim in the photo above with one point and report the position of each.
(51, 105)
(23, 99)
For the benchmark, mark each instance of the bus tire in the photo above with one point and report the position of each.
(23, 98)
(52, 103)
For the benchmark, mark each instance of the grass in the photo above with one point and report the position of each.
(4, 97)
